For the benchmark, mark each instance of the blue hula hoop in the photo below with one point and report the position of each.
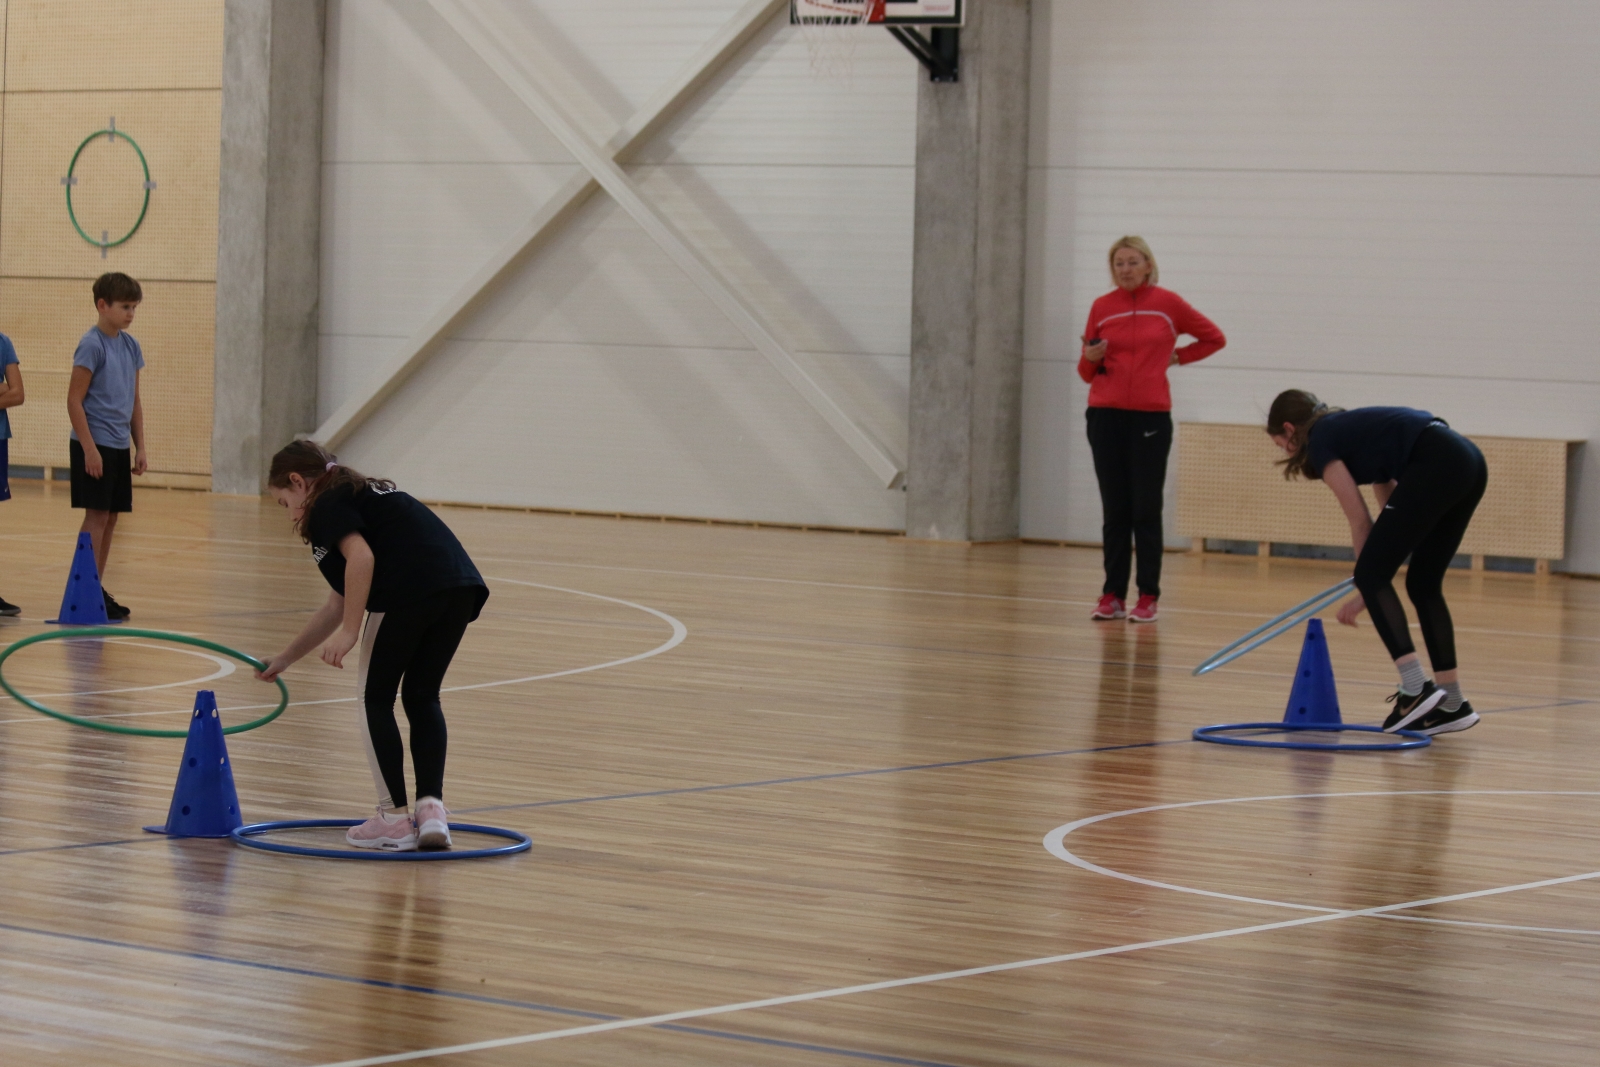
(247, 836)
(1213, 735)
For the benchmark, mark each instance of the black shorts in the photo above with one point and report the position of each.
(5, 468)
(113, 490)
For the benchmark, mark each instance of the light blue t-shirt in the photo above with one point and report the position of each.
(115, 363)
(8, 356)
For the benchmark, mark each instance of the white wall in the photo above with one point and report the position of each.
(1383, 202)
(598, 377)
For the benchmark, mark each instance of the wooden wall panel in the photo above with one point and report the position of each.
(155, 66)
(179, 134)
(56, 45)
(45, 317)
(1229, 487)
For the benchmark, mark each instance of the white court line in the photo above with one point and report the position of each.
(679, 633)
(1054, 843)
(945, 976)
(1489, 926)
(1067, 601)
(225, 667)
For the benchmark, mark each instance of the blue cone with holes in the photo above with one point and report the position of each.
(1313, 699)
(204, 802)
(83, 604)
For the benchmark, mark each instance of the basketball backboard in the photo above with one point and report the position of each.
(893, 12)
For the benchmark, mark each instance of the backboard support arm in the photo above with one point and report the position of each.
(940, 51)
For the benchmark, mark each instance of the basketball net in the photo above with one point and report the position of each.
(832, 29)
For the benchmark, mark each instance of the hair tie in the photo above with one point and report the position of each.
(332, 463)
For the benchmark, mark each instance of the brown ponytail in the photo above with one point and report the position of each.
(321, 471)
(1301, 410)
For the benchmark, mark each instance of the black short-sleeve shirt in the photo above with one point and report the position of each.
(414, 552)
(1374, 443)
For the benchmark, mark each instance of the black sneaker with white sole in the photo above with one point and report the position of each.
(1440, 721)
(1409, 708)
(8, 609)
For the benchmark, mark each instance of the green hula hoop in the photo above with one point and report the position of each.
(144, 208)
(159, 635)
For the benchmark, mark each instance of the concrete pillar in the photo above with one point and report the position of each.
(963, 466)
(268, 236)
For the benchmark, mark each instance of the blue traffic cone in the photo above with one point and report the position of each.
(1314, 699)
(83, 604)
(204, 802)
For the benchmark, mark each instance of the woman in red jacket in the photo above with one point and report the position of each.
(1130, 341)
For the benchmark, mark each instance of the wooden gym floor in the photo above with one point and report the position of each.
(835, 792)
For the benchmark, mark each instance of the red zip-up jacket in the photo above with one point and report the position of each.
(1141, 331)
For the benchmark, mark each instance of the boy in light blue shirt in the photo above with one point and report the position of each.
(11, 396)
(107, 446)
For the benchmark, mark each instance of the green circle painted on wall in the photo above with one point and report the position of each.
(71, 180)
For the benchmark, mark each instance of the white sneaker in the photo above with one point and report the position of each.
(433, 823)
(391, 833)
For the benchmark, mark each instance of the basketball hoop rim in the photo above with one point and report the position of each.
(889, 14)
(840, 12)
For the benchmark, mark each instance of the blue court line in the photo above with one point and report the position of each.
(823, 777)
(1563, 703)
(694, 788)
(86, 844)
(473, 998)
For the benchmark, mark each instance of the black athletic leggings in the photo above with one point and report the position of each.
(1130, 462)
(407, 650)
(1425, 518)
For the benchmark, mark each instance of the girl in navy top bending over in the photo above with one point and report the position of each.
(1428, 480)
(388, 558)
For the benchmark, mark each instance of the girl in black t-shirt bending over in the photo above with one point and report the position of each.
(1428, 480)
(385, 556)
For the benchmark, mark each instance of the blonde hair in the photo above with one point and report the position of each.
(1138, 245)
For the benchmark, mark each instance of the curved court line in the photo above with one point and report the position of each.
(1054, 843)
(945, 976)
(224, 668)
(679, 633)
(1066, 601)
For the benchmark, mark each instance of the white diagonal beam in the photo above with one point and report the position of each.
(604, 169)
(659, 108)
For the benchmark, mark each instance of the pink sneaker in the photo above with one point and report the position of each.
(433, 823)
(1144, 611)
(391, 833)
(1110, 607)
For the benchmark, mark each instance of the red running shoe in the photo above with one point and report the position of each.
(1144, 610)
(1110, 607)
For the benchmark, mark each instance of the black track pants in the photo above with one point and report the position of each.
(1130, 461)
(407, 651)
(1426, 516)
